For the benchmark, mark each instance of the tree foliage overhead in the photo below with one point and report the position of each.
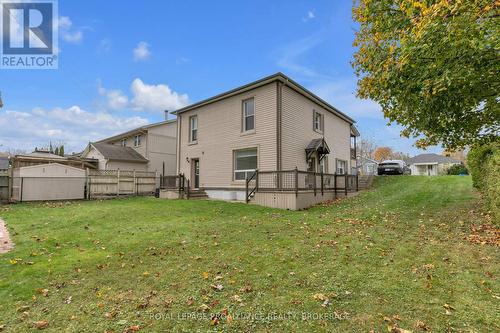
(433, 66)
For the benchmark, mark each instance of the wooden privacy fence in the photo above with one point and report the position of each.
(118, 182)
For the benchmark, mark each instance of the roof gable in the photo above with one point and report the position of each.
(118, 153)
(432, 158)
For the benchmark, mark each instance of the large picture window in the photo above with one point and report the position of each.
(248, 115)
(193, 129)
(245, 163)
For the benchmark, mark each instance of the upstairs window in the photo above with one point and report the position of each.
(124, 142)
(193, 129)
(245, 163)
(248, 115)
(317, 122)
(137, 140)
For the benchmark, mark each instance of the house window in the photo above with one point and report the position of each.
(124, 142)
(341, 167)
(323, 165)
(248, 115)
(193, 128)
(245, 163)
(317, 121)
(137, 140)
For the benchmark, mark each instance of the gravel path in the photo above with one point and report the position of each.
(5, 243)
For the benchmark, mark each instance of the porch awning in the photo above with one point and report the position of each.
(319, 146)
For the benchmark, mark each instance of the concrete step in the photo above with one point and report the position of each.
(197, 194)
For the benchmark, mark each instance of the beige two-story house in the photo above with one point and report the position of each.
(147, 148)
(273, 124)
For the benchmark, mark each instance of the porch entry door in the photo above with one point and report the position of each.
(195, 165)
(311, 167)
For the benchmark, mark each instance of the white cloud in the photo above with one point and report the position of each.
(141, 52)
(73, 126)
(145, 97)
(115, 99)
(310, 15)
(66, 32)
(104, 46)
(156, 97)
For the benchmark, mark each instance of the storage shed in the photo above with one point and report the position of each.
(48, 182)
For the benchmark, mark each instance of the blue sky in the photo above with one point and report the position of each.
(122, 62)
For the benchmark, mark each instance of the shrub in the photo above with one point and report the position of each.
(484, 166)
(458, 169)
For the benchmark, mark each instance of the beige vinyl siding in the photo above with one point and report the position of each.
(128, 166)
(158, 145)
(220, 133)
(298, 131)
(93, 153)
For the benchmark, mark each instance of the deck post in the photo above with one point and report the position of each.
(322, 186)
(335, 183)
(256, 180)
(246, 189)
(345, 184)
(187, 191)
(357, 182)
(296, 172)
(314, 181)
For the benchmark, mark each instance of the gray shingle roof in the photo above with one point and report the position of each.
(119, 153)
(432, 158)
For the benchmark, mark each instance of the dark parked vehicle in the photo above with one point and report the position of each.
(393, 167)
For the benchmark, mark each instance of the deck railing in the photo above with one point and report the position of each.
(174, 182)
(299, 181)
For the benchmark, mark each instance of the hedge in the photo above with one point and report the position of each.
(458, 169)
(484, 166)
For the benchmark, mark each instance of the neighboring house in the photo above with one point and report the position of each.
(156, 143)
(45, 157)
(367, 166)
(431, 164)
(114, 157)
(272, 124)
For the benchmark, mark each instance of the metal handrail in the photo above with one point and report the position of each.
(248, 193)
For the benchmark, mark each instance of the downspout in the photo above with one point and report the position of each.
(279, 110)
(178, 139)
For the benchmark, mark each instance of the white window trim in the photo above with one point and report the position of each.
(321, 121)
(124, 142)
(337, 166)
(191, 129)
(244, 116)
(137, 140)
(246, 170)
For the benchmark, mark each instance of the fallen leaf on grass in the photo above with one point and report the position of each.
(246, 289)
(205, 275)
(131, 329)
(422, 326)
(217, 287)
(44, 292)
(42, 324)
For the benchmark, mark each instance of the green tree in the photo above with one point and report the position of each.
(56, 151)
(433, 66)
(61, 150)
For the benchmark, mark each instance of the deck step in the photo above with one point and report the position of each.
(197, 194)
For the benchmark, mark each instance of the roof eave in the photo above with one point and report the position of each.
(259, 83)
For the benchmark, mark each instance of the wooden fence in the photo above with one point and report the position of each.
(4, 185)
(116, 182)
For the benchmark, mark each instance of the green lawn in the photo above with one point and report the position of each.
(395, 256)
